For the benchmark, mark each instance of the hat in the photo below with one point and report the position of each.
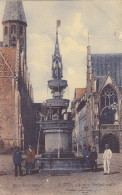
(16, 148)
(29, 146)
(93, 147)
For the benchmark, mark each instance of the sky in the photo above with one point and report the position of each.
(101, 18)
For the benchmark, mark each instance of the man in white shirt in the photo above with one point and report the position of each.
(106, 159)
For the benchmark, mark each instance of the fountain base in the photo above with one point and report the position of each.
(58, 165)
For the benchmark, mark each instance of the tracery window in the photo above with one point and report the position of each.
(109, 104)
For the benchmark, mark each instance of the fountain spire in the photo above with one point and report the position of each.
(57, 68)
(57, 51)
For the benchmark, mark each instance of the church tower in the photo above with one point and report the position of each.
(14, 25)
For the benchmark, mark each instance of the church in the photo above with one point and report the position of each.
(97, 110)
(16, 99)
(104, 100)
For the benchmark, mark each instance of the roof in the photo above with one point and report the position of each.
(79, 92)
(7, 57)
(14, 11)
(102, 64)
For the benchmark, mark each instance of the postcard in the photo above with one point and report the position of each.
(60, 97)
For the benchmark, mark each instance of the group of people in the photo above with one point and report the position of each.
(17, 160)
(90, 157)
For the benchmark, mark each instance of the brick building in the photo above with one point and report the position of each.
(16, 99)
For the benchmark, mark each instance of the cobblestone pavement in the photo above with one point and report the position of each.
(85, 183)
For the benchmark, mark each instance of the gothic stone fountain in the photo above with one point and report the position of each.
(57, 129)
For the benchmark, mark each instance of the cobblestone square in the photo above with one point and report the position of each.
(85, 183)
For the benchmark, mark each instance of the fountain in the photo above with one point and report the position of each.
(57, 129)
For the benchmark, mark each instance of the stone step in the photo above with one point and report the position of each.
(59, 172)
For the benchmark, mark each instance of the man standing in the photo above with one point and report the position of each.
(17, 160)
(30, 157)
(106, 159)
(85, 154)
(93, 159)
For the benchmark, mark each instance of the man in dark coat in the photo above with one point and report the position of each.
(85, 154)
(93, 159)
(17, 160)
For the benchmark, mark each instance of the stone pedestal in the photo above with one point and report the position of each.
(58, 136)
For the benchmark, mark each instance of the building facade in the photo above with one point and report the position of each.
(104, 100)
(16, 99)
(78, 107)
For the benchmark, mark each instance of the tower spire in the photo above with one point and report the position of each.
(14, 11)
(14, 25)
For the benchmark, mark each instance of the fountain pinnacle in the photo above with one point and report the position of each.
(57, 68)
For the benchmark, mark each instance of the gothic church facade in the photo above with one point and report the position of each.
(104, 100)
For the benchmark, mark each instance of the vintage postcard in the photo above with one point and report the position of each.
(60, 97)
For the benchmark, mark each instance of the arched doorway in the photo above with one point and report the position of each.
(113, 142)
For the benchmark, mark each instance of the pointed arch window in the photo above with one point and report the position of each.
(109, 105)
(13, 29)
(6, 30)
(21, 30)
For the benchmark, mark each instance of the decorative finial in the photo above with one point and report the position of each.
(58, 23)
(109, 69)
